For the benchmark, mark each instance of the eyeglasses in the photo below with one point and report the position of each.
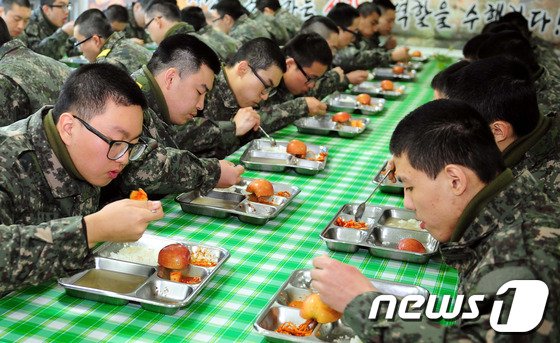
(117, 149)
(150, 21)
(82, 41)
(64, 7)
(356, 33)
(220, 18)
(309, 79)
(268, 89)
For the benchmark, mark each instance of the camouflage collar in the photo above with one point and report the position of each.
(242, 19)
(205, 29)
(226, 93)
(10, 46)
(154, 95)
(515, 152)
(44, 21)
(180, 27)
(110, 43)
(62, 185)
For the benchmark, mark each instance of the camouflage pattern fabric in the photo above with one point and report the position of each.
(546, 57)
(282, 109)
(132, 30)
(222, 44)
(513, 234)
(180, 27)
(548, 92)
(368, 43)
(246, 29)
(539, 153)
(277, 32)
(16, 64)
(45, 38)
(288, 21)
(41, 209)
(220, 102)
(123, 53)
(353, 58)
(328, 84)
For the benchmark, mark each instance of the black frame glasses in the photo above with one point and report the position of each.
(150, 21)
(83, 41)
(269, 90)
(116, 146)
(65, 7)
(220, 18)
(309, 79)
(355, 33)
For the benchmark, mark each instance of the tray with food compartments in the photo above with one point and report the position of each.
(338, 102)
(388, 74)
(324, 125)
(376, 89)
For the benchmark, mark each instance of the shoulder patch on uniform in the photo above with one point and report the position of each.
(140, 85)
(104, 53)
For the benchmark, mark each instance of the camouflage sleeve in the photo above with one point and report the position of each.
(114, 62)
(351, 58)
(14, 103)
(54, 46)
(165, 170)
(277, 116)
(328, 84)
(205, 138)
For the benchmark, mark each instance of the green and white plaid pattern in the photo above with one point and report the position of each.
(262, 257)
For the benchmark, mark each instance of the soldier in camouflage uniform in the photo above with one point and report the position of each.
(47, 32)
(100, 44)
(247, 79)
(492, 228)
(52, 165)
(276, 31)
(20, 95)
(307, 58)
(16, 14)
(231, 18)
(135, 28)
(272, 8)
(168, 107)
(163, 19)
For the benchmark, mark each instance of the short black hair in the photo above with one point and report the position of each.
(443, 132)
(47, 2)
(440, 82)
(518, 20)
(4, 33)
(385, 5)
(7, 4)
(184, 52)
(261, 53)
(194, 16)
(88, 89)
(470, 49)
(93, 22)
(320, 25)
(512, 44)
(307, 48)
(116, 13)
(368, 8)
(230, 7)
(496, 26)
(500, 88)
(343, 14)
(272, 4)
(164, 8)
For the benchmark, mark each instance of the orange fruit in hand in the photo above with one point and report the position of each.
(140, 194)
(398, 70)
(416, 53)
(314, 308)
(363, 99)
(411, 244)
(341, 117)
(387, 85)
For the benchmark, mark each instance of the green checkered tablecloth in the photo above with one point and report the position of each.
(262, 257)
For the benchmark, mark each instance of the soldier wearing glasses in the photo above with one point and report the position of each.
(48, 30)
(52, 167)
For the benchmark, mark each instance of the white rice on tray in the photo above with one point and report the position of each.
(136, 254)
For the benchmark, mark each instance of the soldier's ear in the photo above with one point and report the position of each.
(502, 130)
(242, 68)
(65, 125)
(456, 177)
(289, 62)
(170, 77)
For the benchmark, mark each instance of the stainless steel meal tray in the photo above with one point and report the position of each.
(338, 102)
(388, 186)
(152, 293)
(260, 155)
(387, 73)
(374, 88)
(298, 287)
(378, 237)
(421, 59)
(225, 202)
(410, 65)
(323, 125)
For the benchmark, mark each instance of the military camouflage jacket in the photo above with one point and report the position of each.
(277, 32)
(510, 230)
(123, 53)
(548, 92)
(355, 58)
(41, 209)
(328, 84)
(17, 64)
(246, 29)
(132, 30)
(222, 44)
(165, 168)
(539, 153)
(180, 27)
(45, 38)
(546, 57)
(289, 21)
(220, 102)
(368, 43)
(281, 109)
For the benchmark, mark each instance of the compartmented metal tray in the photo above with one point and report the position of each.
(233, 201)
(323, 125)
(298, 287)
(421, 59)
(337, 102)
(260, 155)
(381, 236)
(118, 278)
(388, 186)
(410, 65)
(387, 73)
(374, 88)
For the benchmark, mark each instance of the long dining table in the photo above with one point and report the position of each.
(262, 257)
